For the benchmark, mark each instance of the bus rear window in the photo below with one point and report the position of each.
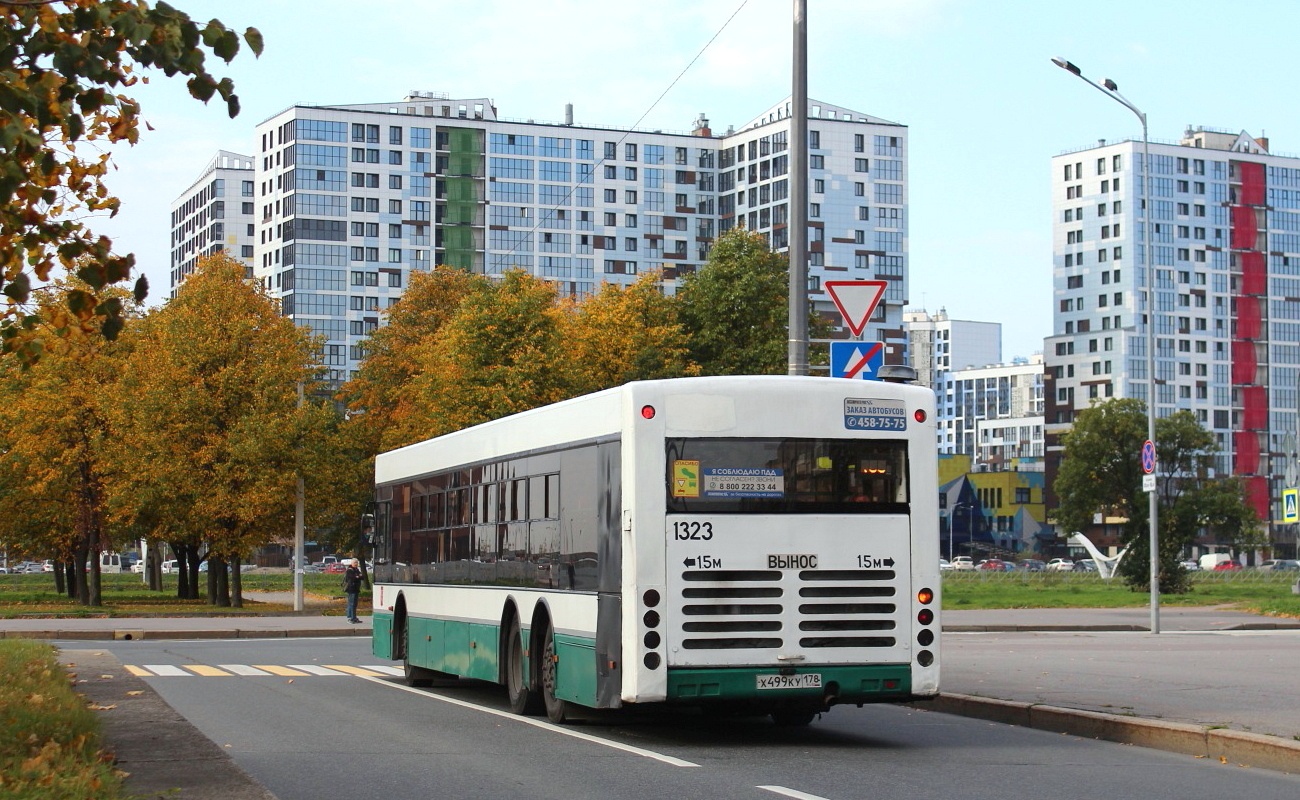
(787, 476)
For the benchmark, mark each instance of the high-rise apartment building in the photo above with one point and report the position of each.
(1225, 242)
(351, 199)
(214, 214)
(937, 347)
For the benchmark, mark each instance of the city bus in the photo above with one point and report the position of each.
(757, 544)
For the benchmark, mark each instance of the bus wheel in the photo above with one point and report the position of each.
(556, 709)
(523, 698)
(792, 717)
(412, 675)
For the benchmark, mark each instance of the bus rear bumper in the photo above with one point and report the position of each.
(879, 683)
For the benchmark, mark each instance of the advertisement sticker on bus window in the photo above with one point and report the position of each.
(743, 482)
(686, 479)
(874, 415)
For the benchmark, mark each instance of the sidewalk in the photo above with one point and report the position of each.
(1210, 684)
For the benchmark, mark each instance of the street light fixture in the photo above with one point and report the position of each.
(1111, 90)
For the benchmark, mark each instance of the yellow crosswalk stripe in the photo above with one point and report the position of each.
(282, 671)
(362, 671)
(206, 671)
(139, 673)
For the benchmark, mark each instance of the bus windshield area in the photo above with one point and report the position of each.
(787, 476)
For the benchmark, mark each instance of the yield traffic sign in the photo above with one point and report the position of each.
(856, 300)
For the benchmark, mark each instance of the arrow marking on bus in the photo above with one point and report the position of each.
(689, 562)
(586, 737)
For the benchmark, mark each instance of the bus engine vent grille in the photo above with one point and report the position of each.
(749, 600)
(846, 608)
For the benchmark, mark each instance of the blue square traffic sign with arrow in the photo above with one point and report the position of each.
(856, 360)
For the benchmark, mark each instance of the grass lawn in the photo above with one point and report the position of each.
(127, 596)
(1249, 590)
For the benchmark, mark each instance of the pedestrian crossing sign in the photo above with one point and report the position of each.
(1290, 505)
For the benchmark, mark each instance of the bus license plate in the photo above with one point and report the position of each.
(810, 680)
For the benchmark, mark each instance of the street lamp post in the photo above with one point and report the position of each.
(970, 528)
(1111, 90)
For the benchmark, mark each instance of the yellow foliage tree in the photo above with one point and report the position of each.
(215, 430)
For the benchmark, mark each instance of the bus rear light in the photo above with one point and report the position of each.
(925, 658)
(652, 640)
(650, 598)
(925, 638)
(891, 684)
(651, 619)
(925, 597)
(651, 661)
(919, 415)
(648, 412)
(925, 617)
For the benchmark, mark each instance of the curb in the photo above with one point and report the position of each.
(1239, 747)
(128, 634)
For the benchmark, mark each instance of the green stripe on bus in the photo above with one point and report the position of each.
(866, 684)
(575, 669)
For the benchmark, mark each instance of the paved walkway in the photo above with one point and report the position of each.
(1214, 682)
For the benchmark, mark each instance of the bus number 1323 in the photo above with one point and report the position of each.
(693, 531)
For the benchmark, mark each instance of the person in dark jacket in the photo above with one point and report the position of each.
(352, 588)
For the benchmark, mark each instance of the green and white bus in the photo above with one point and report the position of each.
(765, 544)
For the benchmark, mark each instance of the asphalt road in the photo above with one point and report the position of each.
(343, 735)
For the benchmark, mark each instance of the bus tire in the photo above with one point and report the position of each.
(557, 710)
(524, 698)
(412, 675)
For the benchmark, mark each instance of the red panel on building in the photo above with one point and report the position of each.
(1252, 183)
(1257, 494)
(1243, 363)
(1254, 404)
(1245, 445)
(1248, 318)
(1243, 228)
(1254, 273)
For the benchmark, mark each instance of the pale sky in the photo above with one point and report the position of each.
(972, 80)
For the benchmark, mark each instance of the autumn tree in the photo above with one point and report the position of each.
(623, 334)
(63, 66)
(58, 447)
(385, 412)
(1101, 472)
(215, 430)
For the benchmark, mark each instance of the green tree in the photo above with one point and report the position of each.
(1101, 471)
(61, 64)
(215, 431)
(735, 308)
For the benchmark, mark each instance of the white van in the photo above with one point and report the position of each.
(168, 567)
(110, 563)
(1211, 560)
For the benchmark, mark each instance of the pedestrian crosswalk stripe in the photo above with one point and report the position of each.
(396, 672)
(315, 669)
(284, 672)
(362, 671)
(207, 671)
(244, 670)
(166, 670)
(138, 672)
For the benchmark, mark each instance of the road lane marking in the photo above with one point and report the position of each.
(205, 671)
(138, 672)
(794, 793)
(244, 670)
(586, 737)
(283, 672)
(360, 671)
(396, 672)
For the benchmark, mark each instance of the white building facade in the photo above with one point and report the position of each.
(351, 199)
(214, 214)
(1225, 241)
(938, 347)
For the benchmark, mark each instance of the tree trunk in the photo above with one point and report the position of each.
(60, 584)
(80, 556)
(236, 583)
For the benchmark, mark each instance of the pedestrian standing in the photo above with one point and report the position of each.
(352, 588)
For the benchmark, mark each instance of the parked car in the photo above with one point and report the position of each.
(335, 567)
(1190, 566)
(1060, 565)
(138, 567)
(1281, 564)
(46, 566)
(1086, 565)
(169, 567)
(996, 565)
(944, 565)
(963, 563)
(1033, 565)
(1227, 566)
